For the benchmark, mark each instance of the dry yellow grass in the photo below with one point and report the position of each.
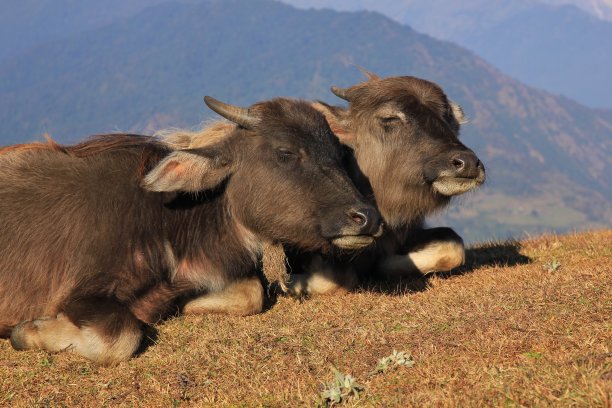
(512, 329)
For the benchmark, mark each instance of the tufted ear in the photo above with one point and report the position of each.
(189, 171)
(338, 121)
(458, 112)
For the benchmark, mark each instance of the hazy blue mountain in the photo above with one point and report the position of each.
(548, 158)
(28, 23)
(560, 48)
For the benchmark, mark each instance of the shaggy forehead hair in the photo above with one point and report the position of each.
(285, 120)
(406, 92)
(296, 121)
(373, 92)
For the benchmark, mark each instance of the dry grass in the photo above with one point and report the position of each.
(524, 325)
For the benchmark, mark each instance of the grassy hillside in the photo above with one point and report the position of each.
(522, 324)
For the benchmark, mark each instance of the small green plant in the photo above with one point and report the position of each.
(84, 370)
(552, 266)
(46, 361)
(533, 354)
(396, 359)
(340, 389)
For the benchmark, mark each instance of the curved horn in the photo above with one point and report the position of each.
(341, 92)
(236, 114)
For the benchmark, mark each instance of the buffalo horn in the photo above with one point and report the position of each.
(341, 92)
(236, 114)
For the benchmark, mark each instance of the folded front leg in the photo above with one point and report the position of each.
(241, 298)
(434, 250)
(322, 278)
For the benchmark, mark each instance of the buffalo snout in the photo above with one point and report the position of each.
(467, 165)
(358, 228)
(366, 220)
(457, 173)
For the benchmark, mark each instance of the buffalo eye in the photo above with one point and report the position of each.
(286, 156)
(391, 120)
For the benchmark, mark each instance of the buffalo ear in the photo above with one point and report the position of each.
(338, 121)
(188, 171)
(458, 112)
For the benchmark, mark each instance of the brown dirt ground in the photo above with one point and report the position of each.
(506, 330)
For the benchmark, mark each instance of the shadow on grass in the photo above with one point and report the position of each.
(505, 254)
(149, 338)
(492, 254)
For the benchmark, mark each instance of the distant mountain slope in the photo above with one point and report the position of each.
(561, 49)
(28, 23)
(550, 154)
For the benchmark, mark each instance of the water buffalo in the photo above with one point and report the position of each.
(402, 134)
(100, 238)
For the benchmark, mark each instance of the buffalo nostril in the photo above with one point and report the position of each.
(458, 163)
(364, 221)
(359, 218)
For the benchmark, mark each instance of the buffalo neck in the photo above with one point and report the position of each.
(207, 240)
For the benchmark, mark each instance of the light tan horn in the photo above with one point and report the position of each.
(236, 114)
(341, 92)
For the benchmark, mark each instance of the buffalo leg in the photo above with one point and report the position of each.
(432, 250)
(241, 298)
(101, 330)
(322, 278)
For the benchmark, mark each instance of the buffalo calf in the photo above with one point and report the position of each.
(100, 238)
(401, 136)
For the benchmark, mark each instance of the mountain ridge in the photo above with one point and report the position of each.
(151, 70)
(557, 47)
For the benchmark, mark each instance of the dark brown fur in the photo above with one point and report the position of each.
(402, 134)
(99, 238)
